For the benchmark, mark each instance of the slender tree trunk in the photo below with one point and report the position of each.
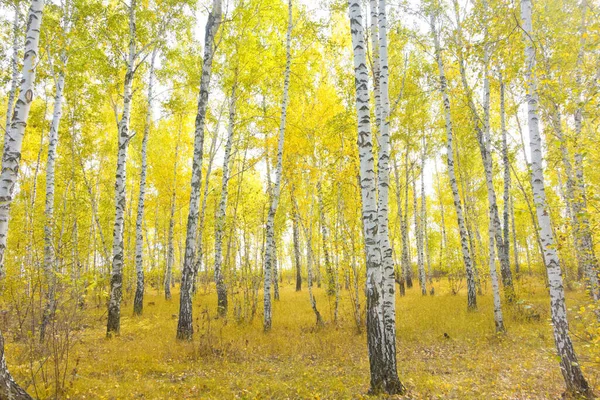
(381, 366)
(113, 325)
(11, 159)
(168, 281)
(424, 235)
(406, 264)
(392, 382)
(49, 253)
(325, 242)
(401, 275)
(508, 206)
(138, 302)
(14, 64)
(574, 379)
(185, 324)
(202, 217)
(584, 234)
(296, 238)
(222, 212)
(270, 228)
(464, 240)
(419, 240)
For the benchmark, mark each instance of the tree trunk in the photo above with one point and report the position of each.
(49, 253)
(14, 64)
(574, 379)
(464, 240)
(325, 241)
(11, 159)
(401, 275)
(382, 366)
(198, 261)
(270, 228)
(508, 206)
(113, 325)
(222, 212)
(168, 281)
(138, 302)
(296, 238)
(406, 264)
(419, 240)
(584, 235)
(185, 324)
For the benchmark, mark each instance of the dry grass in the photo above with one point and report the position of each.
(297, 361)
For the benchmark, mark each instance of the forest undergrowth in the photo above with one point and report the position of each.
(444, 351)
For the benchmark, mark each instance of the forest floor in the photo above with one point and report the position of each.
(444, 352)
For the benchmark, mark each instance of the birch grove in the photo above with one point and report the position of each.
(283, 172)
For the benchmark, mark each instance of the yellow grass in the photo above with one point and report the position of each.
(296, 361)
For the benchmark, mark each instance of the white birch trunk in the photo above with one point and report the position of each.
(508, 211)
(382, 370)
(222, 212)
(168, 280)
(392, 383)
(184, 326)
(113, 325)
(400, 277)
(270, 227)
(14, 65)
(11, 159)
(138, 302)
(419, 238)
(570, 368)
(49, 253)
(584, 235)
(464, 240)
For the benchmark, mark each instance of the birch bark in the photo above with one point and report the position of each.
(138, 302)
(572, 374)
(270, 228)
(113, 324)
(49, 253)
(14, 65)
(11, 159)
(383, 374)
(392, 382)
(184, 325)
(222, 212)
(419, 240)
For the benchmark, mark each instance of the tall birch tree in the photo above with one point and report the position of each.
(11, 160)
(184, 326)
(569, 365)
(270, 255)
(138, 301)
(113, 324)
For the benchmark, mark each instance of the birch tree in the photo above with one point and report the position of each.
(14, 66)
(570, 368)
(221, 211)
(184, 326)
(383, 369)
(270, 255)
(138, 302)
(49, 253)
(464, 239)
(113, 324)
(11, 160)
